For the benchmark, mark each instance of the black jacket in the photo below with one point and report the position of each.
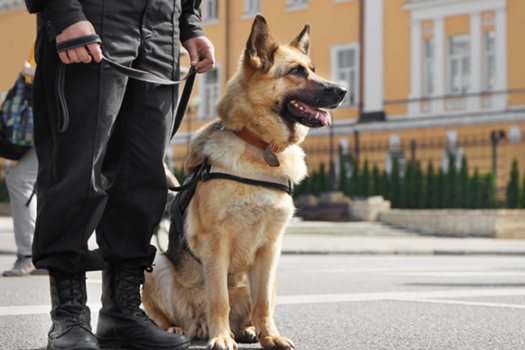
(57, 15)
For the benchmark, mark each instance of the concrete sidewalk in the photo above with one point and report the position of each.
(309, 237)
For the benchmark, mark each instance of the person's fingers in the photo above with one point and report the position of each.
(194, 55)
(96, 52)
(64, 57)
(204, 66)
(82, 54)
(73, 56)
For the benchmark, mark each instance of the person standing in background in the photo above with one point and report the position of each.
(20, 181)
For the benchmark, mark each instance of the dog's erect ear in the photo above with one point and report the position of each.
(302, 42)
(260, 47)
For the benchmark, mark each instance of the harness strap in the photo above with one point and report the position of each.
(128, 71)
(286, 188)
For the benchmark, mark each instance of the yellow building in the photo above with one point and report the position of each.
(425, 77)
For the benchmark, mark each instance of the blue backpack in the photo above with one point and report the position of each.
(16, 122)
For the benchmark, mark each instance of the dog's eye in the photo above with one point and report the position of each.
(297, 71)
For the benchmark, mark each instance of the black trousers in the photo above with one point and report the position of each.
(119, 129)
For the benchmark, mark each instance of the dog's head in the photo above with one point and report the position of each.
(276, 92)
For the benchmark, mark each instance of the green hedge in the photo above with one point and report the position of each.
(417, 190)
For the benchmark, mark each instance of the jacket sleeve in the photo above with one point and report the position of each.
(190, 20)
(57, 14)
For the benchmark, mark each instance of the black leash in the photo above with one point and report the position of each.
(130, 72)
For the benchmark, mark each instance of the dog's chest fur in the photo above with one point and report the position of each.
(247, 216)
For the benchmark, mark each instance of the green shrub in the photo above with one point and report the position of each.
(384, 186)
(490, 200)
(417, 187)
(406, 183)
(364, 181)
(476, 191)
(428, 188)
(463, 185)
(438, 192)
(450, 188)
(513, 187)
(395, 184)
(375, 186)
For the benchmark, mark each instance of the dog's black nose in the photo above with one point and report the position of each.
(337, 90)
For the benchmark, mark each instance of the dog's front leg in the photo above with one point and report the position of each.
(216, 264)
(263, 289)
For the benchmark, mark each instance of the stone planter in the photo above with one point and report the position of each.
(368, 209)
(497, 223)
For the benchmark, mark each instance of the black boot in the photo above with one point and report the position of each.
(122, 323)
(71, 317)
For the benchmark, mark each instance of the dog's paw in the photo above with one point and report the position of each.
(276, 342)
(247, 335)
(222, 343)
(176, 330)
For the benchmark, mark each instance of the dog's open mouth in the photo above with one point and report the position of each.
(308, 115)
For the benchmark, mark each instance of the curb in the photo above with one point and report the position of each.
(403, 252)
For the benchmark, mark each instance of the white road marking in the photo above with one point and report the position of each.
(461, 302)
(337, 298)
(409, 296)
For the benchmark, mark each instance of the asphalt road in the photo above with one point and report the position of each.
(345, 302)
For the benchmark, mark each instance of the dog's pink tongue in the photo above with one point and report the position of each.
(324, 116)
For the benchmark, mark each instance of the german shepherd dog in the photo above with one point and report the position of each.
(223, 287)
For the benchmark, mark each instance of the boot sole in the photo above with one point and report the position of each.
(118, 343)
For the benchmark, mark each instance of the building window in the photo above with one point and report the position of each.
(489, 60)
(345, 71)
(428, 67)
(297, 2)
(252, 6)
(458, 63)
(210, 91)
(515, 134)
(296, 5)
(210, 10)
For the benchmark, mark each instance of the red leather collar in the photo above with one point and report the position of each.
(256, 141)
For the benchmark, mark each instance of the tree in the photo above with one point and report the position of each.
(179, 174)
(316, 187)
(395, 184)
(450, 189)
(417, 187)
(490, 200)
(384, 186)
(323, 179)
(522, 198)
(364, 181)
(437, 198)
(428, 188)
(476, 191)
(343, 179)
(354, 181)
(407, 182)
(513, 187)
(463, 185)
(376, 182)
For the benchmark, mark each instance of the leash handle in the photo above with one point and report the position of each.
(128, 71)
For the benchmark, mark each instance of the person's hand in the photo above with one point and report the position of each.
(79, 54)
(28, 70)
(201, 53)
